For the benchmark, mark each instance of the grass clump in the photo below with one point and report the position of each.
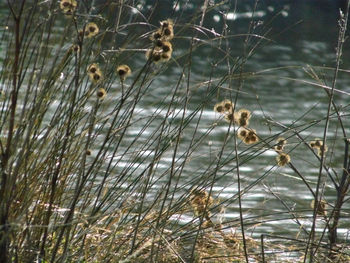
(134, 176)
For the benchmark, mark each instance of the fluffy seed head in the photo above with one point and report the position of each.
(158, 43)
(75, 48)
(318, 145)
(91, 29)
(219, 108)
(101, 93)
(93, 68)
(166, 56)
(318, 142)
(229, 117)
(322, 208)
(243, 122)
(281, 141)
(228, 105)
(123, 72)
(278, 148)
(166, 46)
(244, 114)
(95, 77)
(68, 6)
(166, 23)
(200, 200)
(322, 150)
(248, 136)
(242, 133)
(157, 35)
(168, 33)
(282, 159)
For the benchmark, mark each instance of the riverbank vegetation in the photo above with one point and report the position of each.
(91, 173)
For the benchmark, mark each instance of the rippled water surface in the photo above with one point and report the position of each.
(293, 45)
(302, 39)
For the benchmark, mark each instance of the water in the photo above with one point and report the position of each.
(301, 37)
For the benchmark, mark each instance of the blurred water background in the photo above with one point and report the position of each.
(302, 36)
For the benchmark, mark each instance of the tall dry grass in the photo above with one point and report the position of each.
(82, 182)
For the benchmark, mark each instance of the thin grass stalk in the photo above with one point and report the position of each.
(172, 167)
(262, 248)
(341, 39)
(6, 181)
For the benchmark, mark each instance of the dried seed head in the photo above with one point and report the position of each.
(251, 139)
(282, 159)
(95, 77)
(243, 122)
(229, 117)
(244, 114)
(278, 148)
(281, 141)
(219, 108)
(200, 200)
(322, 208)
(166, 56)
(167, 47)
(68, 6)
(168, 33)
(91, 29)
(242, 133)
(123, 71)
(156, 57)
(65, 4)
(166, 23)
(157, 35)
(322, 150)
(74, 48)
(318, 142)
(228, 105)
(248, 136)
(159, 43)
(93, 68)
(318, 145)
(101, 93)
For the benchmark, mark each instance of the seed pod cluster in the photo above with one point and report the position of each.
(240, 118)
(90, 30)
(282, 158)
(162, 48)
(123, 71)
(94, 73)
(68, 6)
(201, 203)
(280, 143)
(247, 135)
(322, 207)
(318, 145)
